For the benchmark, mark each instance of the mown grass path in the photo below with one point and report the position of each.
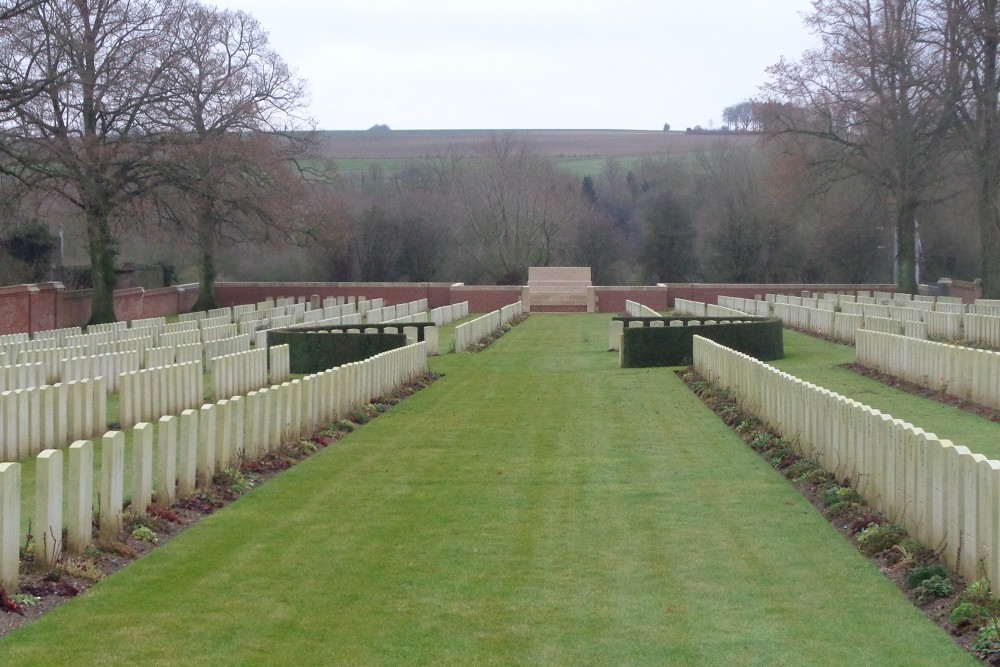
(537, 505)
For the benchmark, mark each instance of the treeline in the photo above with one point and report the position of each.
(738, 211)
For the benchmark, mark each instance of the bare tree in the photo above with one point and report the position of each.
(92, 135)
(876, 90)
(971, 29)
(516, 207)
(228, 96)
(18, 90)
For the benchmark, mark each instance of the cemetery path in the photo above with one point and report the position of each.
(536, 505)
(819, 362)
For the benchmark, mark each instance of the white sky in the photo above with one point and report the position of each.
(529, 64)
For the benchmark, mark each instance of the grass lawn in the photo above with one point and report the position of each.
(818, 362)
(537, 505)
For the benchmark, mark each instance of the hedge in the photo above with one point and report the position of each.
(315, 350)
(644, 347)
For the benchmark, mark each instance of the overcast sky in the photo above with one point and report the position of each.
(529, 64)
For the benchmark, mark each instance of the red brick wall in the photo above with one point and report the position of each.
(15, 309)
(612, 299)
(128, 303)
(485, 298)
(45, 306)
(74, 308)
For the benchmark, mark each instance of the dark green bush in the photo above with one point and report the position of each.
(315, 350)
(644, 347)
(922, 574)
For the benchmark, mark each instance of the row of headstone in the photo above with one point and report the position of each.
(50, 417)
(279, 363)
(397, 312)
(62, 364)
(636, 309)
(843, 323)
(185, 337)
(238, 373)
(452, 313)
(945, 496)
(189, 449)
(942, 320)
(354, 318)
(148, 394)
(469, 333)
(198, 315)
(224, 346)
(108, 366)
(23, 376)
(959, 371)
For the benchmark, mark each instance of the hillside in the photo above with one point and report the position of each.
(403, 144)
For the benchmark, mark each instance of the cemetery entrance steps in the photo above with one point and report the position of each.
(560, 289)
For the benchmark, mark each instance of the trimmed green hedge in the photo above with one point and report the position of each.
(315, 350)
(673, 346)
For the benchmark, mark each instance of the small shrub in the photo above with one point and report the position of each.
(979, 595)
(964, 612)
(163, 513)
(25, 599)
(144, 534)
(865, 520)
(922, 574)
(840, 509)
(933, 588)
(151, 521)
(840, 494)
(749, 424)
(986, 642)
(761, 441)
(801, 469)
(876, 538)
(234, 480)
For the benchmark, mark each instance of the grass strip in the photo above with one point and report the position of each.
(536, 505)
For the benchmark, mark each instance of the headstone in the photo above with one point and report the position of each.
(206, 446)
(10, 525)
(112, 483)
(48, 507)
(187, 453)
(166, 461)
(80, 497)
(142, 467)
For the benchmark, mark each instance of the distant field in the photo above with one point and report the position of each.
(579, 152)
(396, 144)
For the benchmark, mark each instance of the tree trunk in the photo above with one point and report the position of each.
(989, 239)
(206, 265)
(906, 236)
(988, 158)
(102, 270)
